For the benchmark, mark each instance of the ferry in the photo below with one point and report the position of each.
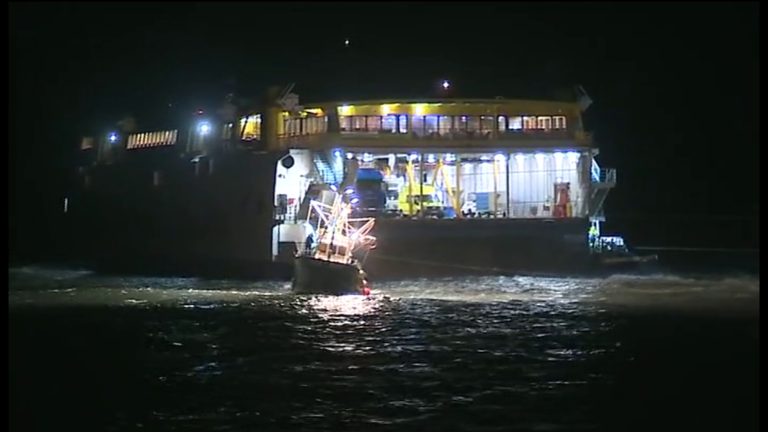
(456, 186)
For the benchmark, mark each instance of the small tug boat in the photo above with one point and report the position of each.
(327, 265)
(614, 256)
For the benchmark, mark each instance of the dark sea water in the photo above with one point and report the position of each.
(624, 353)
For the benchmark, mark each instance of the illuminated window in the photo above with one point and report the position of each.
(473, 123)
(389, 123)
(402, 124)
(417, 124)
(544, 123)
(345, 123)
(514, 123)
(373, 123)
(291, 127)
(460, 123)
(486, 124)
(430, 124)
(308, 125)
(445, 125)
(358, 123)
(558, 122)
(502, 123)
(529, 123)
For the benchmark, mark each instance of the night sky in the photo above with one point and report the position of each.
(675, 85)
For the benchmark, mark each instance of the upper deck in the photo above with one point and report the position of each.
(428, 124)
(432, 126)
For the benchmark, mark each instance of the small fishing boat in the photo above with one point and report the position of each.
(327, 265)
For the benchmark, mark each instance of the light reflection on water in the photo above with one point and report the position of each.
(456, 354)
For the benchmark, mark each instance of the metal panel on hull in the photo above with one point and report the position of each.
(196, 219)
(425, 248)
(314, 276)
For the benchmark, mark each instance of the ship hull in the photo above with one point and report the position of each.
(316, 276)
(217, 222)
(212, 218)
(435, 248)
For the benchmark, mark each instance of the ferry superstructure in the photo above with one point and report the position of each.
(467, 185)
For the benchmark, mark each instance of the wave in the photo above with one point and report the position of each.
(59, 286)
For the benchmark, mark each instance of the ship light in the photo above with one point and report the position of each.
(112, 137)
(520, 158)
(204, 128)
(559, 160)
(446, 85)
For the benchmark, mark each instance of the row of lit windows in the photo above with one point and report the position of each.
(152, 139)
(440, 125)
(418, 124)
(296, 126)
(304, 126)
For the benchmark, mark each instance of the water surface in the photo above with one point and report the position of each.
(481, 354)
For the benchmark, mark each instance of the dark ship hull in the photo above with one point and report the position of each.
(158, 214)
(437, 248)
(163, 215)
(317, 276)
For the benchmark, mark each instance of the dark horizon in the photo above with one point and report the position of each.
(675, 87)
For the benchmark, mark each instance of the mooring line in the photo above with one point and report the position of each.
(439, 264)
(692, 249)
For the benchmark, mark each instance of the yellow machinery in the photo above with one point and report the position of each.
(415, 197)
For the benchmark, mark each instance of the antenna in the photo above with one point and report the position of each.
(289, 101)
(285, 92)
(582, 98)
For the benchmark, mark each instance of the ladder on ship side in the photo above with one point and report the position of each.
(329, 174)
(602, 181)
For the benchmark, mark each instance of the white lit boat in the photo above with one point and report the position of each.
(328, 266)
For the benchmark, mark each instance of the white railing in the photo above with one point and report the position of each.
(595, 171)
(607, 175)
(600, 175)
